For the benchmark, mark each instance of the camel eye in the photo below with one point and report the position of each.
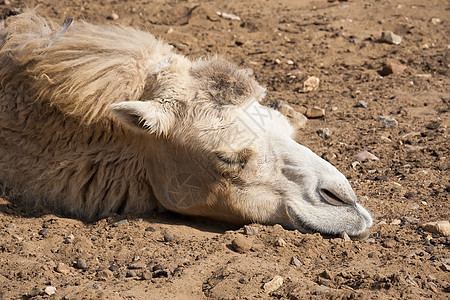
(233, 160)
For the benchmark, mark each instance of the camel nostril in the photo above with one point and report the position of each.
(331, 198)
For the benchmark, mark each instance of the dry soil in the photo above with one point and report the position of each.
(168, 256)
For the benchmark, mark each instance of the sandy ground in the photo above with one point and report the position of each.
(168, 256)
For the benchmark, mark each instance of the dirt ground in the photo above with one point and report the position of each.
(168, 256)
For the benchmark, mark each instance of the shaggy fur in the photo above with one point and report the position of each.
(107, 119)
(59, 128)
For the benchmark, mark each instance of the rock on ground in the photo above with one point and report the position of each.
(440, 227)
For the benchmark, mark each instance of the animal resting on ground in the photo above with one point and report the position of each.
(107, 119)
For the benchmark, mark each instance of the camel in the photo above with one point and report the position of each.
(102, 119)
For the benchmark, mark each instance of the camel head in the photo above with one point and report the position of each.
(212, 150)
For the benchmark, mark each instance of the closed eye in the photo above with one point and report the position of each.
(234, 158)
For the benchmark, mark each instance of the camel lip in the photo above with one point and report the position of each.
(304, 227)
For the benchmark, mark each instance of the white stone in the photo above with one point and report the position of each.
(274, 284)
(227, 16)
(50, 290)
(439, 227)
(390, 38)
(310, 84)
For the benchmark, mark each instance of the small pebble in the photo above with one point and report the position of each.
(322, 290)
(411, 220)
(413, 206)
(390, 38)
(433, 286)
(81, 264)
(326, 274)
(146, 275)
(433, 125)
(161, 273)
(113, 17)
(34, 292)
(17, 237)
(439, 227)
(150, 229)
(324, 133)
(277, 227)
(274, 284)
(365, 155)
(44, 232)
(241, 244)
(409, 195)
(62, 268)
(280, 243)
(251, 230)
(389, 243)
(324, 282)
(355, 164)
(181, 46)
(378, 178)
(345, 236)
(410, 280)
(434, 21)
(392, 68)
(315, 112)
(310, 84)
(411, 254)
(445, 267)
(396, 222)
(121, 222)
(69, 239)
(131, 273)
(158, 267)
(114, 268)
(429, 249)
(296, 262)
(168, 237)
(228, 16)
(328, 156)
(387, 121)
(96, 286)
(362, 103)
(50, 290)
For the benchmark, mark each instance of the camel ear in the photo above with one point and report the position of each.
(152, 116)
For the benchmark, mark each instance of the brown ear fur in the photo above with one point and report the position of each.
(224, 83)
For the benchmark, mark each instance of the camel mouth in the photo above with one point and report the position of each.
(359, 230)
